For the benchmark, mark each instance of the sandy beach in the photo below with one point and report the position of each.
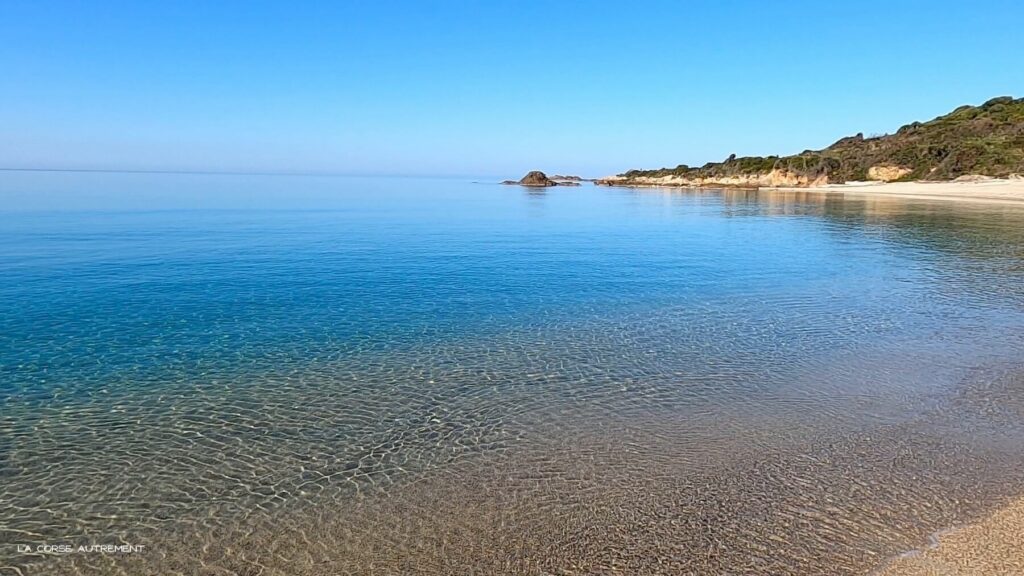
(993, 547)
(992, 190)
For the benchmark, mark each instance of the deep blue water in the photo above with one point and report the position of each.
(277, 318)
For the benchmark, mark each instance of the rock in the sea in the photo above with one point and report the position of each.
(539, 179)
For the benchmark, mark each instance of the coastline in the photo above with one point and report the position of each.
(994, 545)
(1007, 191)
(995, 190)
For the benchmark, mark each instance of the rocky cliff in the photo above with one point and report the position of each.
(770, 179)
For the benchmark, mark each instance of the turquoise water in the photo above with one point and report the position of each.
(188, 356)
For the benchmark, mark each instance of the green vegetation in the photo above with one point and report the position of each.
(986, 140)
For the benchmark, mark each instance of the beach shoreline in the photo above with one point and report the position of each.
(995, 190)
(992, 545)
(1002, 191)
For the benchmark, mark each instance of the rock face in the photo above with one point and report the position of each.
(771, 179)
(887, 173)
(538, 179)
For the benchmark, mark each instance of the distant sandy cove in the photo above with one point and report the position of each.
(985, 190)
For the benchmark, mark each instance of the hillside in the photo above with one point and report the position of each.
(986, 140)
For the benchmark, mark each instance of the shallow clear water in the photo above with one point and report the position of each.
(319, 375)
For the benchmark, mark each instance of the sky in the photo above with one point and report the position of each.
(481, 88)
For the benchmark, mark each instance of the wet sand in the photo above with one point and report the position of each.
(994, 546)
(992, 191)
(990, 545)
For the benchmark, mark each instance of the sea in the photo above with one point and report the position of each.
(291, 374)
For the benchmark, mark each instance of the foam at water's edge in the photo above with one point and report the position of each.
(932, 542)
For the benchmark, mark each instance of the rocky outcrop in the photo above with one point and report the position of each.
(539, 179)
(771, 179)
(887, 173)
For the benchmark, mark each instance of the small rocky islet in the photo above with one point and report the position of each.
(538, 179)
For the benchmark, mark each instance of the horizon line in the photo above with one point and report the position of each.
(230, 172)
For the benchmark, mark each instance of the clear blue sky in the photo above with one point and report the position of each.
(481, 88)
